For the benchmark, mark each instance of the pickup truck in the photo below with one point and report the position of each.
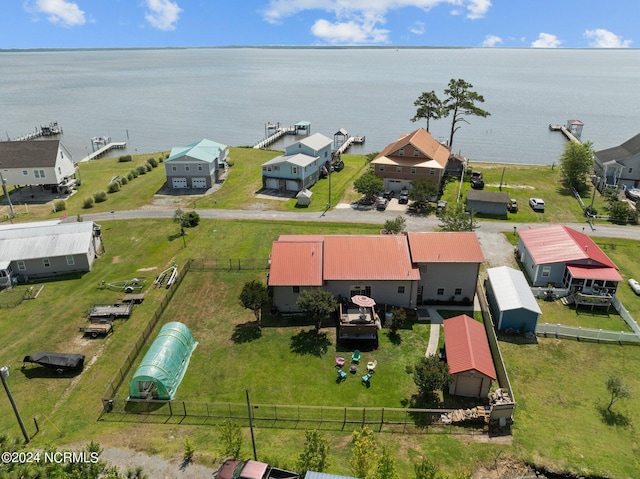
(237, 469)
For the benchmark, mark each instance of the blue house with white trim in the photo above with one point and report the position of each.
(299, 167)
(198, 165)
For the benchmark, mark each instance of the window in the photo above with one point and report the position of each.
(25, 172)
(46, 263)
(440, 292)
(400, 289)
(70, 260)
(296, 289)
(458, 291)
(630, 170)
(401, 152)
(363, 290)
(174, 168)
(416, 153)
(276, 168)
(325, 154)
(381, 168)
(398, 169)
(413, 171)
(546, 271)
(186, 168)
(432, 172)
(294, 170)
(38, 173)
(21, 266)
(199, 167)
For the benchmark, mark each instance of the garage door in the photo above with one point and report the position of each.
(272, 183)
(468, 386)
(179, 183)
(292, 185)
(199, 182)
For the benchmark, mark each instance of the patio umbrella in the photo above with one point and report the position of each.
(363, 301)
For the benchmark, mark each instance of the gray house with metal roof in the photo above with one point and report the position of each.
(619, 166)
(512, 303)
(46, 249)
(299, 167)
(198, 165)
(37, 162)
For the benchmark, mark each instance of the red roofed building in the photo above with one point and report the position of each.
(449, 264)
(412, 156)
(469, 357)
(566, 258)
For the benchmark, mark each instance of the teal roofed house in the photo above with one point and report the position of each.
(299, 167)
(165, 364)
(196, 166)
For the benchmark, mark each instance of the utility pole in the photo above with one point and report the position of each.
(4, 373)
(6, 195)
(253, 439)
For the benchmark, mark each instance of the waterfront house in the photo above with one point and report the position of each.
(412, 156)
(300, 166)
(45, 163)
(619, 166)
(198, 165)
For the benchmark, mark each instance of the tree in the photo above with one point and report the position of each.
(395, 226)
(431, 374)
(385, 467)
(189, 219)
(230, 438)
(618, 389)
(429, 107)
(363, 452)
(317, 304)
(576, 164)
(457, 219)
(254, 296)
(422, 191)
(621, 211)
(425, 469)
(314, 455)
(398, 318)
(368, 185)
(460, 103)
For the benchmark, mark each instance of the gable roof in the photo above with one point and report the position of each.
(29, 154)
(364, 257)
(203, 150)
(296, 263)
(511, 290)
(316, 142)
(467, 346)
(629, 149)
(437, 154)
(45, 240)
(298, 159)
(445, 247)
(488, 196)
(560, 244)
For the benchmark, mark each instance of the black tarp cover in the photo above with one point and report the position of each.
(56, 360)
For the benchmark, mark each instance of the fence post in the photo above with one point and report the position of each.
(184, 408)
(578, 333)
(363, 416)
(599, 333)
(557, 329)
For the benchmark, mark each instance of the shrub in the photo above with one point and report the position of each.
(100, 196)
(142, 170)
(153, 162)
(125, 158)
(113, 187)
(59, 205)
(134, 173)
(123, 180)
(130, 176)
(148, 166)
(190, 219)
(88, 203)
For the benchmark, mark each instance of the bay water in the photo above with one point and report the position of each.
(155, 99)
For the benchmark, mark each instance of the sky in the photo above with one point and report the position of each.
(27, 24)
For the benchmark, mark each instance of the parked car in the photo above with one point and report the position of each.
(477, 183)
(633, 194)
(512, 206)
(388, 194)
(403, 199)
(441, 206)
(536, 204)
(381, 203)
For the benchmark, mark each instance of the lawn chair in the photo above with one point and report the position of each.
(355, 357)
(371, 365)
(339, 361)
(341, 374)
(366, 379)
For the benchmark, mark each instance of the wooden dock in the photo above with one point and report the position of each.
(52, 129)
(275, 136)
(105, 149)
(352, 140)
(566, 132)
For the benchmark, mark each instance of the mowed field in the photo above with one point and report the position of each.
(559, 384)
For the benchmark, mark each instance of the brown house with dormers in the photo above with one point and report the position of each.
(412, 156)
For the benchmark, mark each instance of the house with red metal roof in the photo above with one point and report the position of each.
(412, 156)
(468, 356)
(449, 264)
(563, 257)
(378, 266)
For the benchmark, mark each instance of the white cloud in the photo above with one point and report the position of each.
(418, 28)
(491, 41)
(60, 12)
(546, 40)
(362, 18)
(162, 14)
(605, 39)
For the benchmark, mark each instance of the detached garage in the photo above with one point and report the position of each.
(487, 202)
(512, 303)
(165, 364)
(469, 357)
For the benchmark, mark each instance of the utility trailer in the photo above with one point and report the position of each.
(97, 329)
(110, 311)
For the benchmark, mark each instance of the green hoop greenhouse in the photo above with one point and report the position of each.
(165, 364)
